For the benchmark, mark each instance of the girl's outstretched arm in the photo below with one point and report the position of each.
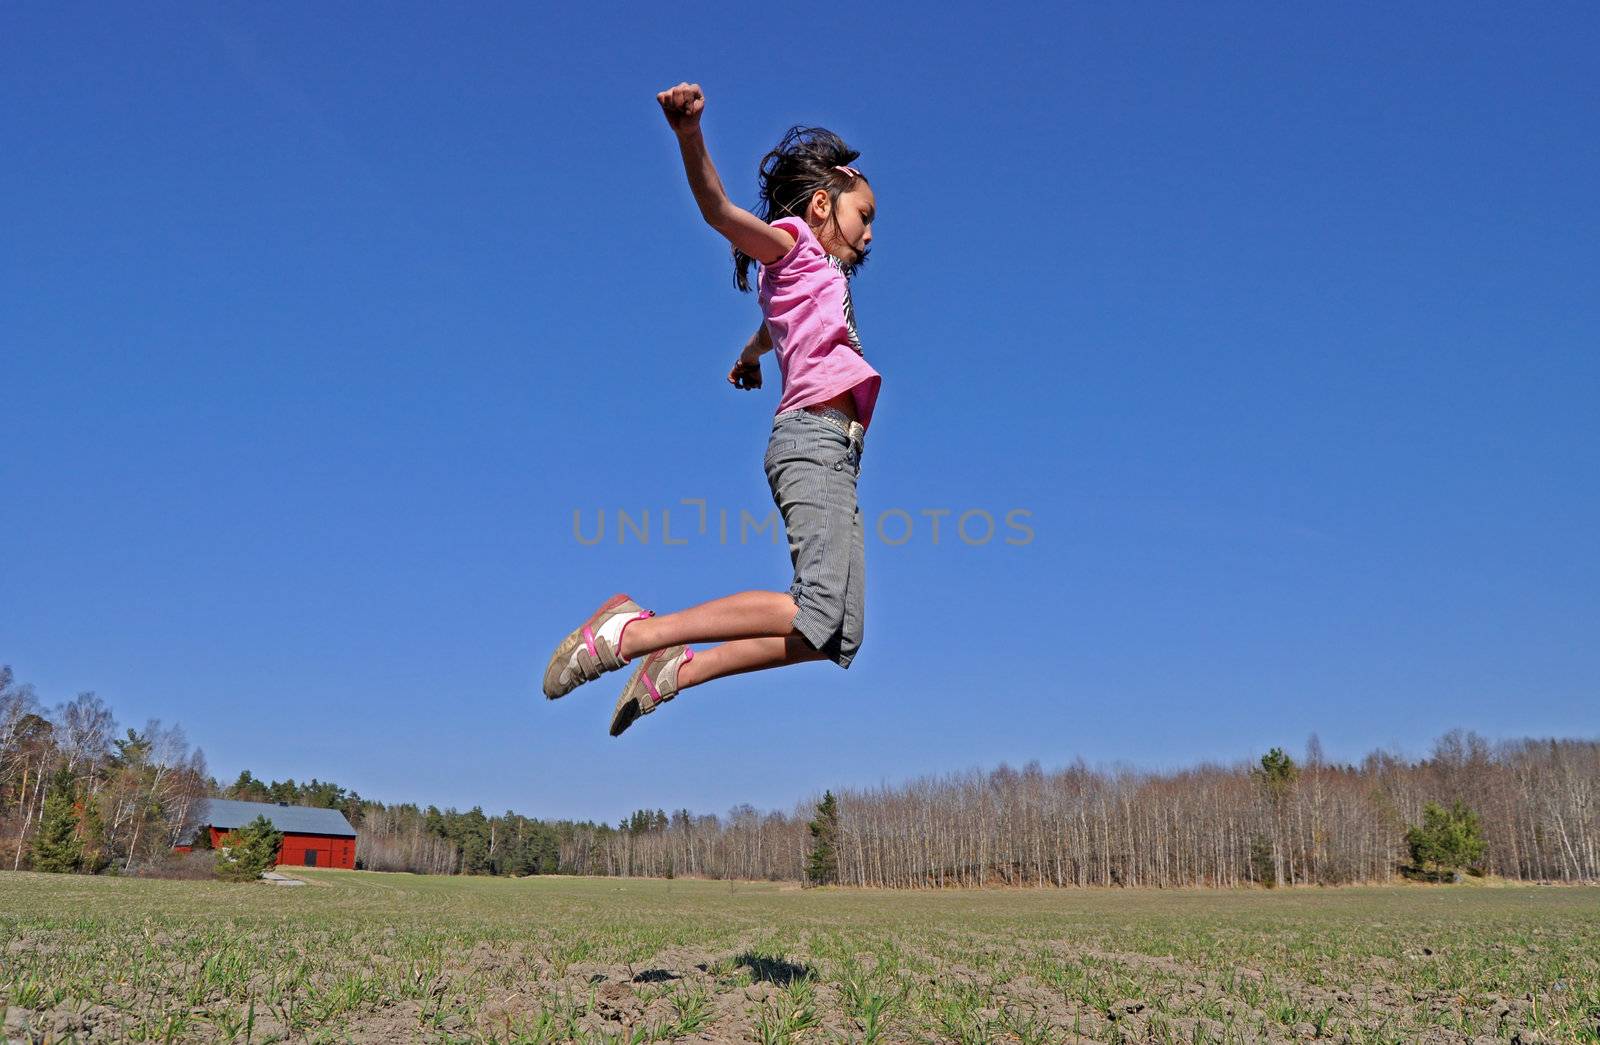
(682, 106)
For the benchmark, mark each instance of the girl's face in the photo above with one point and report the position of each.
(849, 233)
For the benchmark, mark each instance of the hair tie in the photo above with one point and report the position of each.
(848, 170)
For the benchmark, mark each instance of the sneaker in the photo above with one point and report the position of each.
(654, 682)
(593, 649)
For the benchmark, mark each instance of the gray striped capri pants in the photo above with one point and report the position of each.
(812, 468)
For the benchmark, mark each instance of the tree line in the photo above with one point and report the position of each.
(1532, 805)
(1522, 809)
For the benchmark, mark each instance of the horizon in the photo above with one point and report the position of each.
(1300, 755)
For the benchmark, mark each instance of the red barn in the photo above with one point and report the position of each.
(311, 837)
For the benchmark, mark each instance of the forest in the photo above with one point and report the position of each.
(118, 799)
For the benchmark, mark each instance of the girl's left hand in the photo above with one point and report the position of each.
(746, 373)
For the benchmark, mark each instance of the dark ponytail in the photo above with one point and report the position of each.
(803, 162)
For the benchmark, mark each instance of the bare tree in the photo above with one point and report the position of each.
(86, 727)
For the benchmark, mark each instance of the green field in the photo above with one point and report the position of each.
(375, 957)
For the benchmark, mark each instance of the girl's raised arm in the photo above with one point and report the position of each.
(682, 106)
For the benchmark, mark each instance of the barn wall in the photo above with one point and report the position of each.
(331, 850)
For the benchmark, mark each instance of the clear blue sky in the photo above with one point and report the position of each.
(317, 324)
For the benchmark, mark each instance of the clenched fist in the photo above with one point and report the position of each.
(746, 372)
(682, 106)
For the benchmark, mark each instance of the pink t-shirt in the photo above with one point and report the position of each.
(805, 298)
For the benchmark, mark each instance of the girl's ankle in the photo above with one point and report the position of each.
(633, 642)
(689, 672)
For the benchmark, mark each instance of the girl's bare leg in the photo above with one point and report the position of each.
(747, 615)
(742, 655)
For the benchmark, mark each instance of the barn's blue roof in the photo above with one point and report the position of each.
(227, 814)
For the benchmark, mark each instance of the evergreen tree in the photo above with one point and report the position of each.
(1278, 773)
(92, 831)
(247, 788)
(1277, 777)
(823, 866)
(246, 853)
(1447, 840)
(470, 831)
(56, 846)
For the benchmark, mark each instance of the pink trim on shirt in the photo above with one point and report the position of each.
(802, 297)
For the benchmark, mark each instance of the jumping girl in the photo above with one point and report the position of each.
(812, 235)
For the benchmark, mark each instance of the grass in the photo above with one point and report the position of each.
(372, 957)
